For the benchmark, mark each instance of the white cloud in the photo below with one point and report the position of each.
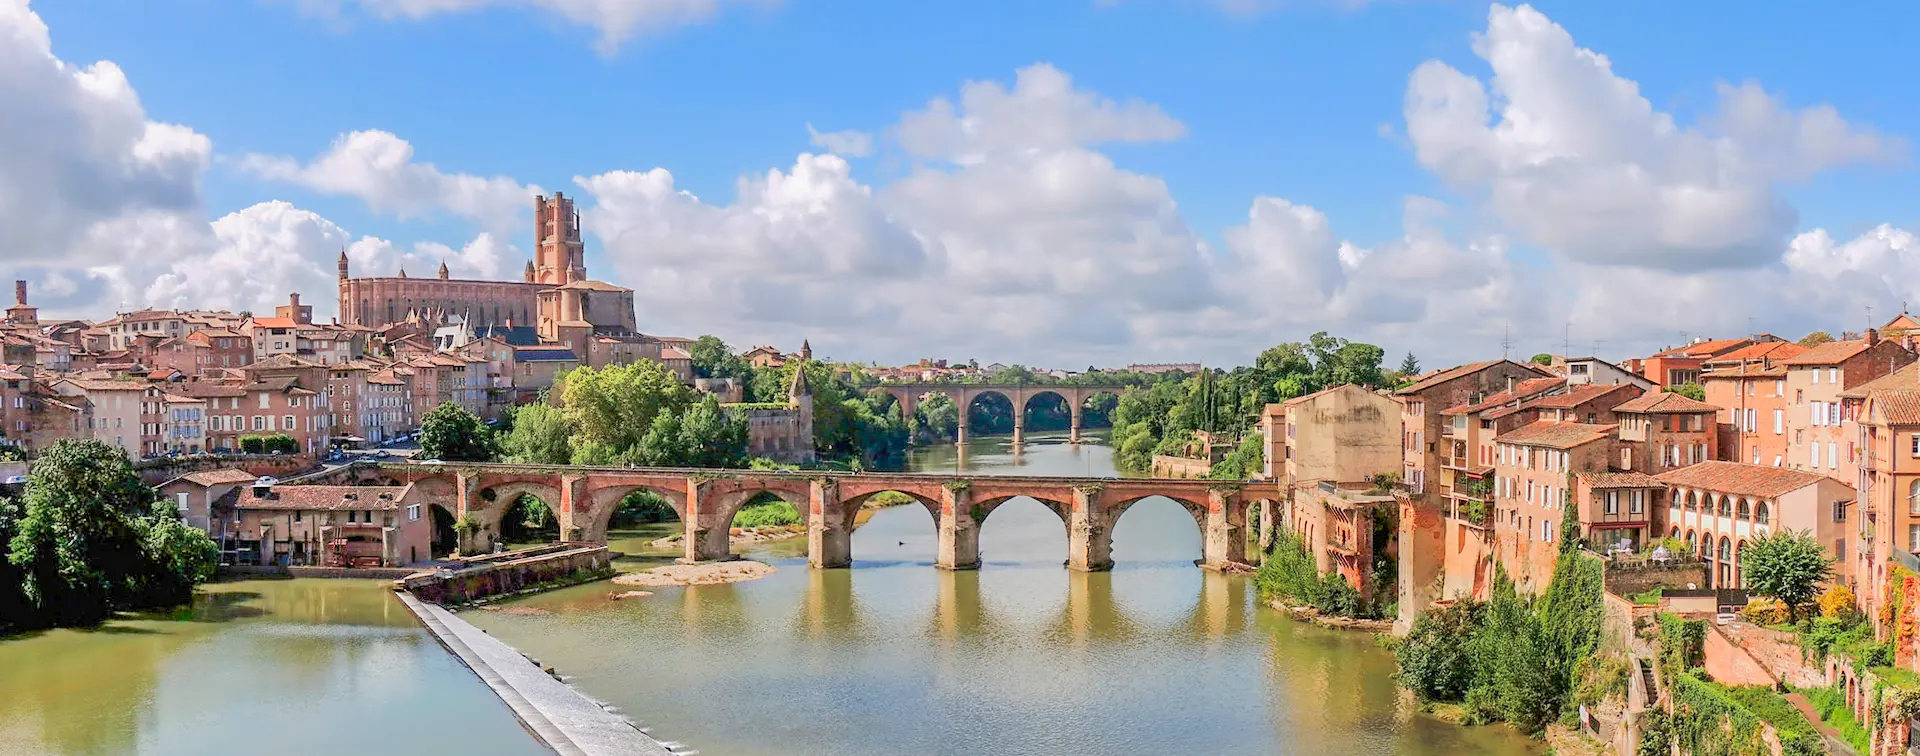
(379, 169)
(1042, 111)
(846, 143)
(616, 20)
(1572, 158)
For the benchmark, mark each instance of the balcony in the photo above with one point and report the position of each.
(1341, 543)
(1471, 512)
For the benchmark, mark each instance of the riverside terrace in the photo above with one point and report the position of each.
(584, 499)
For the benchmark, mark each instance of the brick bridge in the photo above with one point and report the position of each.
(584, 499)
(963, 394)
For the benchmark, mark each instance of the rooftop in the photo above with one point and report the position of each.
(1558, 435)
(1768, 350)
(1740, 478)
(1830, 353)
(1523, 390)
(1712, 348)
(1619, 479)
(1436, 378)
(217, 477)
(323, 498)
(1664, 401)
(1576, 396)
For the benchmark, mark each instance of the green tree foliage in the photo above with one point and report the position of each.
(935, 420)
(712, 358)
(1409, 366)
(1542, 359)
(1245, 461)
(1513, 658)
(1690, 390)
(848, 423)
(269, 444)
(702, 435)
(612, 408)
(1290, 575)
(1815, 339)
(452, 433)
(89, 538)
(1787, 566)
(541, 435)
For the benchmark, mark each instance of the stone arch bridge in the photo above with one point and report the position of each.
(963, 394)
(584, 499)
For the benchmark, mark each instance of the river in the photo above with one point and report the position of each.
(891, 657)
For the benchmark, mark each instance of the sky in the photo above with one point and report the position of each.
(1061, 183)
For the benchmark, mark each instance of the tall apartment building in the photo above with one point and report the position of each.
(1663, 431)
(1815, 380)
(1750, 387)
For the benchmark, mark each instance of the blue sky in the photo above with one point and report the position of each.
(1303, 101)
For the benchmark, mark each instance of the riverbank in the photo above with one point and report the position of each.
(705, 573)
(1310, 614)
(564, 719)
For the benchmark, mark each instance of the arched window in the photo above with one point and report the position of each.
(1761, 514)
(1744, 512)
(1726, 549)
(1913, 498)
(1693, 500)
(1675, 533)
(1726, 506)
(1693, 542)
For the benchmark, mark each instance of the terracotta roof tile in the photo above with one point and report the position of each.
(1557, 435)
(217, 477)
(1577, 396)
(1521, 391)
(1442, 376)
(1896, 406)
(1773, 350)
(324, 497)
(1740, 478)
(1830, 353)
(1703, 349)
(1619, 479)
(1664, 401)
(1907, 377)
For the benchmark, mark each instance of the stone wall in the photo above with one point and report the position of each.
(344, 573)
(1627, 579)
(504, 576)
(1746, 654)
(1180, 467)
(1730, 664)
(157, 471)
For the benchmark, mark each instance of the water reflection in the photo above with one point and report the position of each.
(308, 666)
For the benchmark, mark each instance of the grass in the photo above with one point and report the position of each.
(1832, 706)
(1649, 598)
(1772, 708)
(766, 515)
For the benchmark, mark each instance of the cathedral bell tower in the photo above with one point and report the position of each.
(560, 257)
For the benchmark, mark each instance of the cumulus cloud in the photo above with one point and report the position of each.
(379, 168)
(1042, 111)
(846, 143)
(1571, 157)
(616, 20)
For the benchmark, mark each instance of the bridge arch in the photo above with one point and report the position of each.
(489, 504)
(603, 500)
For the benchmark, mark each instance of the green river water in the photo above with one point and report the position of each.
(891, 657)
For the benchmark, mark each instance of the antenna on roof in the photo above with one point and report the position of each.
(1506, 341)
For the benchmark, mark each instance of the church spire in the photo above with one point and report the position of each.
(443, 270)
(529, 271)
(806, 350)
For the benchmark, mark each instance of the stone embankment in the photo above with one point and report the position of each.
(522, 571)
(564, 719)
(1310, 614)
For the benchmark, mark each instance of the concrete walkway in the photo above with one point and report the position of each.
(565, 719)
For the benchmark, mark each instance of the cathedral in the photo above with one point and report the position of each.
(595, 319)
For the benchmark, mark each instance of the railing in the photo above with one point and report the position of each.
(1464, 511)
(1906, 559)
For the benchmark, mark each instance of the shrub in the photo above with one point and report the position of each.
(1838, 602)
(1765, 612)
(766, 514)
(1290, 575)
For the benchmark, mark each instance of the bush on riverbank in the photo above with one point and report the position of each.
(1290, 575)
(770, 513)
(1511, 658)
(89, 538)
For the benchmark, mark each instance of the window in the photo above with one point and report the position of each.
(1813, 454)
(296, 515)
(1761, 514)
(1913, 538)
(413, 512)
(286, 422)
(1833, 375)
(1638, 502)
(1840, 511)
(1816, 375)
(1780, 387)
(1780, 422)
(1833, 413)
(1613, 502)
(259, 422)
(182, 496)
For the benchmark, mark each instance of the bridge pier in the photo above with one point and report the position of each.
(706, 534)
(1089, 533)
(1073, 429)
(829, 531)
(1019, 430)
(960, 432)
(959, 531)
(1223, 537)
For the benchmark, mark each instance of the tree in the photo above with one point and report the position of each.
(1542, 359)
(1690, 390)
(1815, 339)
(612, 408)
(1409, 366)
(1786, 566)
(712, 358)
(711, 436)
(541, 435)
(90, 538)
(453, 434)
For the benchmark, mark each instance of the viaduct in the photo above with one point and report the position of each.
(584, 499)
(963, 394)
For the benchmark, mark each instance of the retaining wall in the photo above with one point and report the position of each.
(507, 573)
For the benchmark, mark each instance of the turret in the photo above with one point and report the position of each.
(806, 350)
(343, 263)
(443, 270)
(529, 271)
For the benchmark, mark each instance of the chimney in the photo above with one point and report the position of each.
(1873, 336)
(294, 299)
(20, 293)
